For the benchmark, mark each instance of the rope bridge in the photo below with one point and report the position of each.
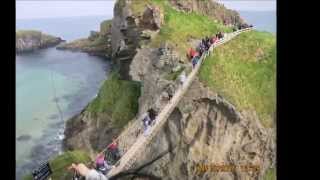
(132, 154)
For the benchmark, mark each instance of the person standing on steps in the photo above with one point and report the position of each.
(207, 43)
(183, 77)
(89, 174)
(152, 115)
(192, 53)
(146, 120)
(114, 150)
(214, 39)
(220, 35)
(100, 163)
(195, 61)
(200, 48)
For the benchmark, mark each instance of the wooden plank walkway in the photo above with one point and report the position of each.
(142, 141)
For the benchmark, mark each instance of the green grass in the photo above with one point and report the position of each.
(99, 41)
(33, 33)
(118, 99)
(24, 33)
(105, 26)
(179, 27)
(174, 75)
(270, 174)
(60, 164)
(139, 6)
(244, 71)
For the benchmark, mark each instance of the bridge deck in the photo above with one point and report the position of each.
(133, 153)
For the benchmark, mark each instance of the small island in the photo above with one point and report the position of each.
(97, 44)
(29, 40)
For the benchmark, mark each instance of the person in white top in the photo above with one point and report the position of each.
(146, 120)
(183, 77)
(89, 174)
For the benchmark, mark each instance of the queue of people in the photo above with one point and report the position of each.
(203, 46)
(106, 160)
(242, 26)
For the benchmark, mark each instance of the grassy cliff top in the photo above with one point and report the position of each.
(33, 33)
(244, 71)
(25, 33)
(118, 99)
(105, 26)
(180, 27)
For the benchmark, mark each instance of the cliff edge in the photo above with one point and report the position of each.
(29, 40)
(226, 117)
(98, 43)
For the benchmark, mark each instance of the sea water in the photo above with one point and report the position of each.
(261, 20)
(49, 79)
(75, 79)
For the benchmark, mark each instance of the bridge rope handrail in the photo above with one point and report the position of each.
(127, 159)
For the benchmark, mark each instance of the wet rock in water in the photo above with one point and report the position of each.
(24, 137)
(54, 116)
(30, 40)
(39, 152)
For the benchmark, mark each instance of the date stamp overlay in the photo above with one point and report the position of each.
(202, 168)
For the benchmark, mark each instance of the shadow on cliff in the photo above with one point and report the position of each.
(135, 173)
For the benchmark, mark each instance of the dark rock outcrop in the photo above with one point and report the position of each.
(128, 32)
(29, 40)
(152, 18)
(97, 44)
(89, 133)
(204, 128)
(24, 137)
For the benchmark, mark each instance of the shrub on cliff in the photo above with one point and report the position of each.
(105, 26)
(244, 71)
(180, 27)
(117, 98)
(60, 164)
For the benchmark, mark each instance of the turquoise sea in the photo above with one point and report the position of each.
(47, 76)
(261, 20)
(74, 77)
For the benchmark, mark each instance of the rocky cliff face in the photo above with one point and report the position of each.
(205, 129)
(89, 133)
(28, 40)
(210, 8)
(132, 27)
(128, 31)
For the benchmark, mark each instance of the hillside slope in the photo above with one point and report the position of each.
(29, 40)
(244, 71)
(98, 43)
(149, 40)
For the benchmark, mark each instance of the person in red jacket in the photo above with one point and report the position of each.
(114, 150)
(192, 53)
